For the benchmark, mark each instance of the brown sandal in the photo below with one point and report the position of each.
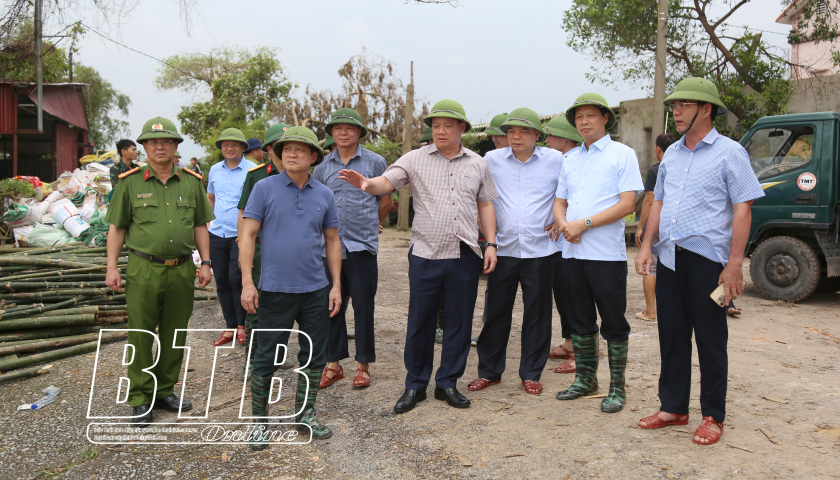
(361, 381)
(566, 367)
(481, 384)
(532, 387)
(566, 353)
(655, 421)
(327, 381)
(705, 431)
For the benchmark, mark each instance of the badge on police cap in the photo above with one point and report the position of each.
(157, 126)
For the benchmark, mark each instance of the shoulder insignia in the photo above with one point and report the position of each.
(196, 175)
(125, 174)
(257, 167)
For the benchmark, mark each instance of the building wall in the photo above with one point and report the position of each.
(816, 94)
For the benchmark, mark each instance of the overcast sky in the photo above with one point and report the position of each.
(490, 55)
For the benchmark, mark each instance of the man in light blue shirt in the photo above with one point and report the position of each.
(701, 211)
(526, 178)
(224, 187)
(597, 189)
(360, 214)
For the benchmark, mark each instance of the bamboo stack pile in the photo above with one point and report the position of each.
(53, 302)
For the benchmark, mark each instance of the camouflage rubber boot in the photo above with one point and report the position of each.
(586, 361)
(307, 416)
(250, 325)
(618, 364)
(260, 390)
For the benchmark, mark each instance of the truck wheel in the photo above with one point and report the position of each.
(785, 268)
(829, 285)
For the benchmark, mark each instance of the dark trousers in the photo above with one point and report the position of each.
(456, 280)
(224, 252)
(280, 310)
(565, 329)
(359, 277)
(535, 275)
(591, 284)
(682, 306)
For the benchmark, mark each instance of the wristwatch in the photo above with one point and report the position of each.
(207, 262)
(588, 223)
(492, 245)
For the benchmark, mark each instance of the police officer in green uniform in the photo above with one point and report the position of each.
(161, 213)
(256, 174)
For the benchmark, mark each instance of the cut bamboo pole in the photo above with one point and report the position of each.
(50, 333)
(29, 372)
(46, 262)
(61, 342)
(55, 293)
(47, 322)
(47, 356)
(44, 308)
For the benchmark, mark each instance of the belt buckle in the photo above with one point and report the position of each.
(170, 263)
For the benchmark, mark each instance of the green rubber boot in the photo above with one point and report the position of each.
(307, 416)
(618, 364)
(260, 390)
(586, 361)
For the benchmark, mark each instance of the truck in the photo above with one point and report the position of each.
(793, 245)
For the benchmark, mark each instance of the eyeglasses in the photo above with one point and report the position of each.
(680, 105)
(155, 143)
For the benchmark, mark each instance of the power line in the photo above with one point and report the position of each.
(136, 51)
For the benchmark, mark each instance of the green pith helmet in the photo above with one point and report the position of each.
(303, 135)
(497, 121)
(233, 134)
(523, 117)
(427, 135)
(273, 133)
(177, 154)
(346, 115)
(329, 141)
(448, 109)
(699, 90)
(559, 126)
(159, 127)
(591, 99)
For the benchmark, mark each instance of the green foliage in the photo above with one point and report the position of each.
(106, 107)
(239, 82)
(12, 188)
(17, 57)
(389, 150)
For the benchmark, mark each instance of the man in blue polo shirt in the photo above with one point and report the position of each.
(701, 211)
(294, 212)
(360, 214)
(597, 189)
(224, 187)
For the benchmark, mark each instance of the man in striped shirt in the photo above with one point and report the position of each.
(452, 186)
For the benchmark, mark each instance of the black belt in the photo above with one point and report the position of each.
(168, 262)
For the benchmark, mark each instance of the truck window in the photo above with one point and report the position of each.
(774, 151)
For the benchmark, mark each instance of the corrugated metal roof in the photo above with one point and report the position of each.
(65, 102)
(8, 109)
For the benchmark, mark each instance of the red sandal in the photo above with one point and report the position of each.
(532, 387)
(705, 431)
(361, 381)
(481, 384)
(327, 381)
(655, 421)
(566, 353)
(240, 334)
(222, 340)
(566, 367)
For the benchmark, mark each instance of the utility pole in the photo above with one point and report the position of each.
(39, 71)
(408, 141)
(658, 125)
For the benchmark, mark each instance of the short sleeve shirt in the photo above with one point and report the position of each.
(226, 184)
(697, 189)
(293, 221)
(591, 181)
(159, 218)
(117, 169)
(650, 180)
(446, 197)
(358, 211)
(255, 175)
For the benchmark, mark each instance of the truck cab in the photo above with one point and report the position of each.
(793, 242)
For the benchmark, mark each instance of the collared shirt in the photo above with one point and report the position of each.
(117, 169)
(226, 184)
(255, 175)
(526, 196)
(358, 211)
(591, 181)
(698, 188)
(159, 218)
(446, 197)
(293, 220)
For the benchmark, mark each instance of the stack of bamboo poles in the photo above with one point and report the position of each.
(53, 302)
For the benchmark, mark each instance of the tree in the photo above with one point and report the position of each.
(240, 82)
(753, 77)
(106, 107)
(17, 56)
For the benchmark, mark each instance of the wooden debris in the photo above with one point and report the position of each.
(775, 400)
(600, 395)
(464, 461)
(770, 436)
(740, 448)
(511, 455)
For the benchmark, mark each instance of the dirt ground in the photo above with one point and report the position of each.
(784, 384)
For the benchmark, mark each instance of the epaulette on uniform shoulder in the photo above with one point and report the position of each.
(257, 167)
(129, 172)
(196, 175)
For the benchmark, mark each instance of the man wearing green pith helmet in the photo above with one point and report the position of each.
(255, 174)
(495, 132)
(597, 188)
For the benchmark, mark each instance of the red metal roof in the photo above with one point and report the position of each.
(64, 102)
(8, 109)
